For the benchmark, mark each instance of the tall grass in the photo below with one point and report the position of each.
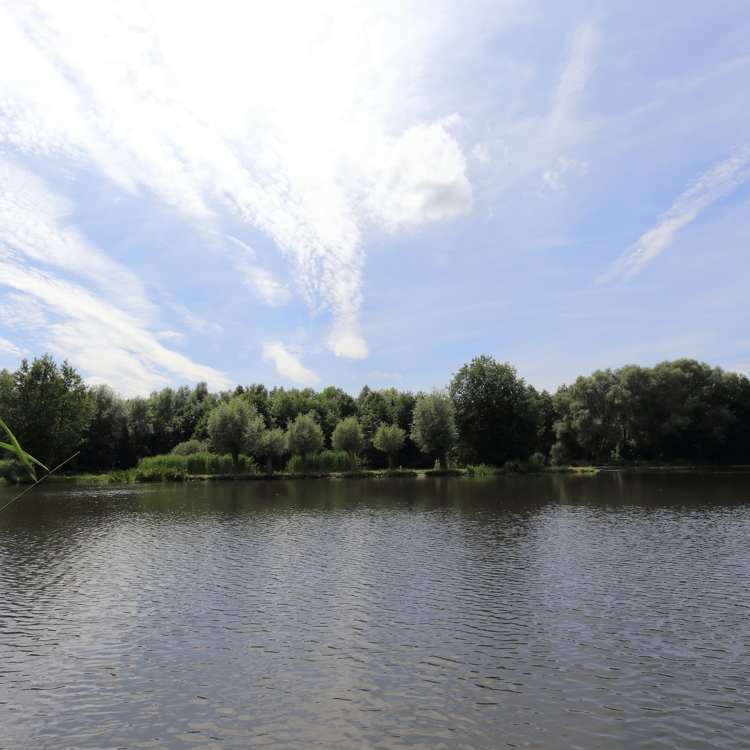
(325, 462)
(480, 470)
(174, 467)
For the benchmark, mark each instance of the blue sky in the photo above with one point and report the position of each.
(341, 193)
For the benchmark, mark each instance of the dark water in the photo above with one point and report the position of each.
(535, 612)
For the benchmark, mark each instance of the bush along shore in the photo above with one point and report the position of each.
(487, 420)
(324, 465)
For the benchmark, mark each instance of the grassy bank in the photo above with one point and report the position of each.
(166, 473)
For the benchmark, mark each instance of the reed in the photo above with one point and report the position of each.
(174, 467)
(325, 462)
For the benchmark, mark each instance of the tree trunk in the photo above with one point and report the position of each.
(269, 464)
(443, 460)
(303, 462)
(236, 462)
(391, 462)
(352, 461)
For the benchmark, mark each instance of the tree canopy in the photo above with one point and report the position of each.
(304, 436)
(389, 438)
(676, 410)
(497, 414)
(235, 427)
(348, 437)
(434, 427)
(48, 408)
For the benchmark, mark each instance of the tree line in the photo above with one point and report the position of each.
(678, 410)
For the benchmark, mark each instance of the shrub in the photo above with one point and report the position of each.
(537, 462)
(480, 470)
(190, 447)
(13, 472)
(533, 465)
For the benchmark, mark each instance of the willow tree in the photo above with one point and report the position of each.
(304, 436)
(389, 438)
(235, 427)
(348, 437)
(272, 444)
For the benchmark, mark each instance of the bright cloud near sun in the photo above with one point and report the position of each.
(289, 113)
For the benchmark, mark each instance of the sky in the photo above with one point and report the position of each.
(348, 193)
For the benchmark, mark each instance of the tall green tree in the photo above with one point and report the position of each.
(48, 408)
(235, 427)
(589, 415)
(434, 427)
(304, 436)
(140, 429)
(497, 414)
(105, 442)
(679, 409)
(348, 437)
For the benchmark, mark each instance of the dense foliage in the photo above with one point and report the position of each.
(235, 427)
(675, 410)
(498, 417)
(434, 426)
(681, 410)
(348, 437)
(389, 438)
(47, 407)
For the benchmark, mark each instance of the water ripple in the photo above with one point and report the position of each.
(536, 612)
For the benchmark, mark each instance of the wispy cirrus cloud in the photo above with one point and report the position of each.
(287, 361)
(74, 300)
(715, 183)
(9, 347)
(288, 114)
(270, 291)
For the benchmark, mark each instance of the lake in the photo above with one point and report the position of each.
(549, 611)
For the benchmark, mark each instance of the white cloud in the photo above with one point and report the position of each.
(33, 228)
(583, 44)
(170, 336)
(103, 329)
(715, 183)
(481, 153)
(287, 112)
(420, 178)
(526, 145)
(287, 363)
(552, 178)
(270, 291)
(8, 347)
(378, 375)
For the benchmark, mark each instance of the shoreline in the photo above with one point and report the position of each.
(130, 476)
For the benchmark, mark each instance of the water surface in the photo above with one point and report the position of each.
(538, 612)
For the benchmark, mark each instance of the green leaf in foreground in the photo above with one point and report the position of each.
(25, 459)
